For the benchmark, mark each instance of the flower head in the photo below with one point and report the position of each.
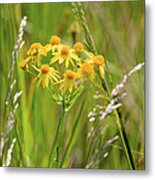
(55, 40)
(23, 64)
(35, 51)
(99, 60)
(66, 55)
(86, 70)
(45, 69)
(55, 44)
(70, 74)
(65, 51)
(36, 48)
(78, 47)
(47, 75)
(69, 81)
(100, 63)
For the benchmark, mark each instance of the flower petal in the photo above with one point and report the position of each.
(54, 59)
(101, 71)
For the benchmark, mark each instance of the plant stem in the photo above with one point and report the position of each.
(73, 132)
(57, 144)
(122, 132)
(124, 140)
(60, 134)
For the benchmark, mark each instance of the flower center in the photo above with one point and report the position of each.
(78, 47)
(87, 68)
(70, 74)
(55, 40)
(99, 60)
(36, 46)
(23, 64)
(34, 49)
(65, 51)
(45, 69)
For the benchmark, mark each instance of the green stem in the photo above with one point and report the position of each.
(122, 132)
(57, 144)
(124, 140)
(73, 132)
(60, 135)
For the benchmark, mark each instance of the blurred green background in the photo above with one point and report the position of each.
(118, 31)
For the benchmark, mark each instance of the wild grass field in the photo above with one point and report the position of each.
(99, 124)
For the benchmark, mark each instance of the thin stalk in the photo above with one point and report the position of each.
(60, 135)
(124, 140)
(57, 140)
(73, 132)
(80, 15)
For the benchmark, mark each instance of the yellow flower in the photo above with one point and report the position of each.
(66, 55)
(55, 40)
(36, 48)
(55, 43)
(23, 64)
(99, 60)
(69, 81)
(100, 63)
(78, 47)
(86, 70)
(46, 75)
(35, 51)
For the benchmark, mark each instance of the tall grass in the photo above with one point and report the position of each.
(117, 31)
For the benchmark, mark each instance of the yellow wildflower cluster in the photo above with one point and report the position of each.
(60, 65)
